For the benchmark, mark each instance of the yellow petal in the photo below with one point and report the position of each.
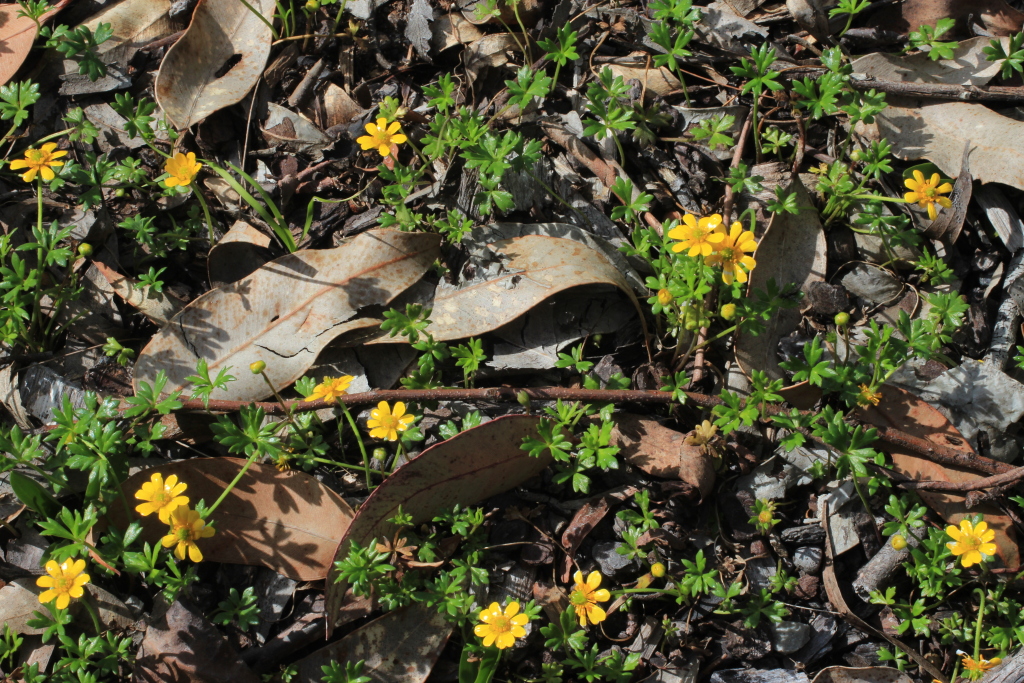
(714, 237)
(382, 123)
(505, 640)
(168, 540)
(690, 220)
(393, 128)
(602, 595)
(578, 578)
(399, 410)
(481, 630)
(63, 600)
(52, 567)
(989, 549)
(919, 176)
(18, 163)
(910, 184)
(78, 567)
(944, 188)
(489, 638)
(596, 614)
(970, 558)
(193, 553)
(399, 139)
(676, 233)
(518, 631)
(47, 596)
(932, 213)
(512, 609)
(384, 150)
(520, 620)
(45, 582)
(47, 173)
(944, 202)
(593, 580)
(76, 591)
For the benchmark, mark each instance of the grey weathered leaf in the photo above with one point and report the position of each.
(216, 62)
(286, 312)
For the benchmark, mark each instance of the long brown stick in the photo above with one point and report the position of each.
(942, 455)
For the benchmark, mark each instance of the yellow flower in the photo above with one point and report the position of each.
(182, 169)
(283, 462)
(64, 582)
(664, 297)
(585, 596)
(385, 424)
(975, 668)
(330, 389)
(765, 516)
(729, 254)
(382, 136)
(257, 366)
(926, 193)
(186, 529)
(41, 161)
(898, 542)
(699, 236)
(867, 397)
(162, 497)
(971, 542)
(657, 570)
(501, 628)
(728, 311)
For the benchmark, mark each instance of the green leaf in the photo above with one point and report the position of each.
(33, 495)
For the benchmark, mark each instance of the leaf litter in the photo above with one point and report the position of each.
(451, 275)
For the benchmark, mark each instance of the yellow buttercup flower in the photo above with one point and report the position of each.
(385, 423)
(64, 581)
(971, 543)
(729, 254)
(699, 236)
(664, 297)
(585, 596)
(186, 529)
(41, 161)
(927, 193)
(161, 496)
(501, 628)
(182, 169)
(867, 397)
(382, 136)
(330, 389)
(976, 668)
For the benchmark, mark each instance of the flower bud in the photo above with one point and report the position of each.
(658, 570)
(729, 311)
(312, 5)
(898, 542)
(842, 319)
(256, 367)
(664, 297)
(85, 250)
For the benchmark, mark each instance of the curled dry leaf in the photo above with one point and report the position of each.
(182, 645)
(658, 80)
(903, 410)
(792, 250)
(133, 23)
(968, 66)
(216, 62)
(157, 306)
(663, 452)
(998, 17)
(286, 312)
(17, 35)
(287, 521)
(466, 469)
(399, 647)
(533, 268)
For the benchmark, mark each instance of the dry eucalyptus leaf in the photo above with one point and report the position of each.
(287, 521)
(133, 23)
(157, 306)
(792, 250)
(399, 647)
(293, 132)
(286, 312)
(997, 16)
(869, 674)
(466, 469)
(528, 270)
(17, 35)
(968, 66)
(938, 132)
(216, 62)
(453, 29)
(238, 254)
(658, 80)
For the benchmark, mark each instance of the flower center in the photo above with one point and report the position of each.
(578, 597)
(389, 422)
(501, 624)
(971, 542)
(183, 533)
(160, 498)
(726, 254)
(764, 517)
(36, 156)
(61, 585)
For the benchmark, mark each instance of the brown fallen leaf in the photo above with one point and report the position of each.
(584, 521)
(466, 469)
(951, 221)
(287, 521)
(534, 268)
(999, 18)
(286, 312)
(792, 250)
(663, 452)
(901, 409)
(181, 645)
(157, 306)
(967, 67)
(133, 24)
(216, 62)
(17, 35)
(399, 647)
(657, 80)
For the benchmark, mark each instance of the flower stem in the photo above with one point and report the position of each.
(362, 446)
(233, 484)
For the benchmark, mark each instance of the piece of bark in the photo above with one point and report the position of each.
(878, 573)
